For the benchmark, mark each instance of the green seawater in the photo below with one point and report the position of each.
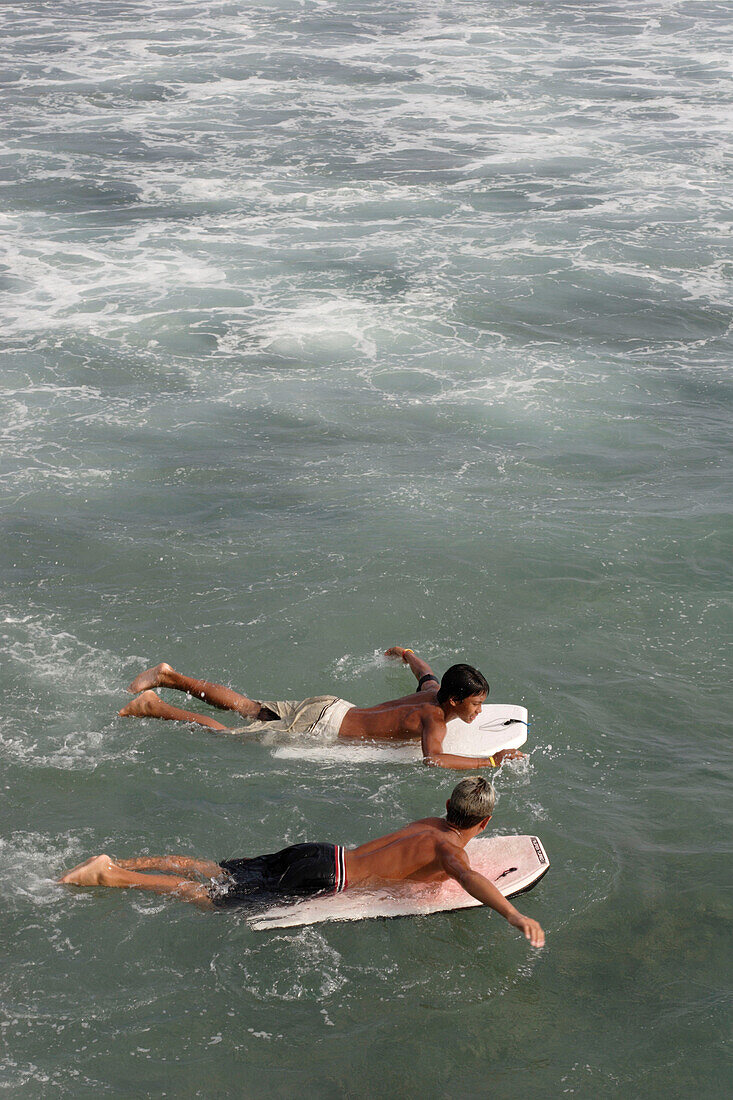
(327, 327)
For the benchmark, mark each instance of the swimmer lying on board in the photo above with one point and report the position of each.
(430, 850)
(422, 714)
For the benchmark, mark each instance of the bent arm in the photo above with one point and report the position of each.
(475, 763)
(433, 735)
(455, 863)
(433, 755)
(418, 667)
(458, 763)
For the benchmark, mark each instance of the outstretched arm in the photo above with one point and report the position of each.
(456, 864)
(418, 667)
(433, 755)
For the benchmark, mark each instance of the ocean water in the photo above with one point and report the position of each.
(328, 326)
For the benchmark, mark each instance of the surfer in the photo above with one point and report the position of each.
(429, 850)
(422, 714)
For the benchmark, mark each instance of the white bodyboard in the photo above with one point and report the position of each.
(513, 863)
(499, 726)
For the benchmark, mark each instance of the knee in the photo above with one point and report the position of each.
(266, 715)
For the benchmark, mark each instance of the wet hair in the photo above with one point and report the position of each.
(471, 801)
(460, 681)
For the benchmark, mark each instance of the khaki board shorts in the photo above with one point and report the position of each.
(321, 715)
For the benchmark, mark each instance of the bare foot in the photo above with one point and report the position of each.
(90, 873)
(151, 678)
(149, 705)
(146, 705)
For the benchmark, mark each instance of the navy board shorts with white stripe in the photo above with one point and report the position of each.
(297, 871)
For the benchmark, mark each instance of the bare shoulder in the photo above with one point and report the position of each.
(434, 828)
(429, 699)
(431, 713)
(422, 700)
(428, 829)
(432, 825)
(433, 729)
(451, 855)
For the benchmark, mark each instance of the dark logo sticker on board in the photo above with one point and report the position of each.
(538, 849)
(505, 873)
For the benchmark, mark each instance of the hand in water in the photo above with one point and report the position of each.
(509, 754)
(531, 929)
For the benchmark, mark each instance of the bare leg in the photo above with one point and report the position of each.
(216, 695)
(148, 705)
(177, 865)
(101, 871)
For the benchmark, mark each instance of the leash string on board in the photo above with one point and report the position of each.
(497, 723)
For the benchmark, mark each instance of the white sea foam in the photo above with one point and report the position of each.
(30, 863)
(54, 655)
(320, 318)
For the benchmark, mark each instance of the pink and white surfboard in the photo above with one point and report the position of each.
(513, 863)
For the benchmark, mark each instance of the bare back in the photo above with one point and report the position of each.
(416, 852)
(396, 719)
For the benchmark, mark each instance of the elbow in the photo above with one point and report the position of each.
(430, 760)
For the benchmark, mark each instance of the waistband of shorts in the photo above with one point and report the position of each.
(340, 879)
(333, 714)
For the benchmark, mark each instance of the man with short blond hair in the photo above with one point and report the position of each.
(429, 850)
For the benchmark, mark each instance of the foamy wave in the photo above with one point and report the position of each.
(51, 654)
(31, 862)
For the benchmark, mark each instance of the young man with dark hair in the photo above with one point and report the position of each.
(429, 850)
(423, 714)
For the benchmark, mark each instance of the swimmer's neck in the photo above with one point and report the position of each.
(464, 835)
